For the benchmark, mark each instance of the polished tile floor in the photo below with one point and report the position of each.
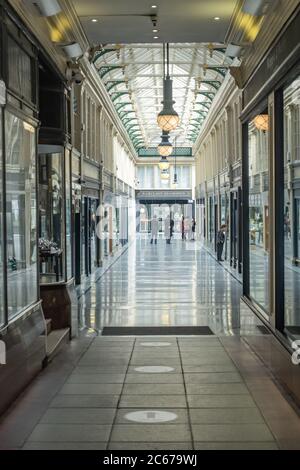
(169, 392)
(177, 284)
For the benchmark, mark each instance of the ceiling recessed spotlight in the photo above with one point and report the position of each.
(155, 30)
(94, 20)
(217, 18)
(155, 37)
(153, 6)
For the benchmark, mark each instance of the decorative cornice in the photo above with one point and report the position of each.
(225, 95)
(37, 26)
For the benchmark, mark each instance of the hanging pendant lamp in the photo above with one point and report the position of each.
(168, 118)
(165, 147)
(165, 175)
(164, 164)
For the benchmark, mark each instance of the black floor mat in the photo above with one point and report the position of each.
(156, 330)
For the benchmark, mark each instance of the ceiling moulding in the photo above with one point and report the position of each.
(104, 97)
(92, 74)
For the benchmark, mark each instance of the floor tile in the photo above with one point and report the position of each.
(139, 378)
(150, 446)
(153, 389)
(70, 433)
(231, 433)
(155, 361)
(212, 378)
(85, 401)
(220, 401)
(225, 416)
(235, 446)
(32, 445)
(96, 379)
(151, 432)
(217, 389)
(105, 369)
(209, 368)
(91, 389)
(79, 416)
(150, 401)
(176, 369)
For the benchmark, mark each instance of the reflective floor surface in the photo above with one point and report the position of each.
(161, 285)
(150, 392)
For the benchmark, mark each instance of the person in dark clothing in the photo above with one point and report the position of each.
(182, 228)
(172, 223)
(193, 228)
(220, 242)
(168, 230)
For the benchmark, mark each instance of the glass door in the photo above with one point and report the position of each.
(234, 230)
(259, 233)
(93, 239)
(84, 237)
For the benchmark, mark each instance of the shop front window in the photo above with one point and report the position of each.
(291, 208)
(90, 247)
(211, 220)
(51, 236)
(68, 202)
(84, 215)
(2, 319)
(225, 221)
(259, 210)
(20, 140)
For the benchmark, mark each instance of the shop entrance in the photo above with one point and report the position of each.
(90, 243)
(235, 230)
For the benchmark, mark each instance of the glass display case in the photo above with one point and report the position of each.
(291, 208)
(51, 217)
(258, 173)
(2, 318)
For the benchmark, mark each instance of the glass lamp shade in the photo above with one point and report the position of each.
(164, 149)
(261, 122)
(167, 122)
(165, 175)
(168, 118)
(164, 164)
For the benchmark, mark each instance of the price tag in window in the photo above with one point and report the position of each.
(2, 93)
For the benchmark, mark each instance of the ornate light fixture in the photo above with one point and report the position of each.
(165, 147)
(261, 122)
(168, 118)
(164, 164)
(165, 175)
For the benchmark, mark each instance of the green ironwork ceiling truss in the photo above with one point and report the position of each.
(132, 75)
